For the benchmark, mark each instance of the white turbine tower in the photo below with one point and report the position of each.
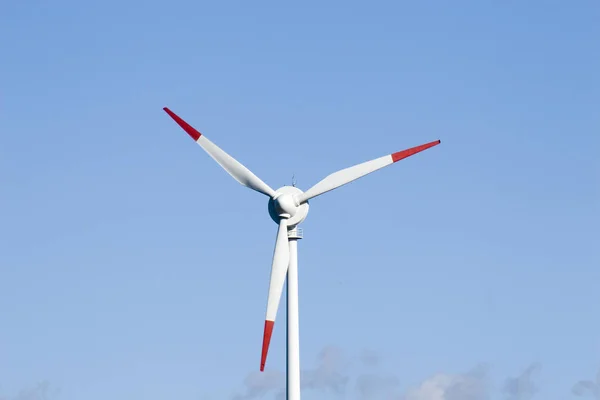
(288, 207)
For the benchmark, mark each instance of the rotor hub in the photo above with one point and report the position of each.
(284, 205)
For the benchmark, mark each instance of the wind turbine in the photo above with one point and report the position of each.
(288, 207)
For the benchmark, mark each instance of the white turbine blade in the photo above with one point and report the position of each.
(350, 174)
(281, 260)
(239, 172)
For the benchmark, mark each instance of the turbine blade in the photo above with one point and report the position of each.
(350, 174)
(239, 172)
(281, 260)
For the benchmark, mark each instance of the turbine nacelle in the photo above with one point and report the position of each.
(285, 205)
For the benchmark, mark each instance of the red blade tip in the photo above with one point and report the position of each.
(266, 342)
(186, 127)
(400, 155)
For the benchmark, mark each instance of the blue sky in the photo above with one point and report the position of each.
(132, 266)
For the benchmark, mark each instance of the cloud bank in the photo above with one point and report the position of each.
(332, 377)
(588, 387)
(41, 391)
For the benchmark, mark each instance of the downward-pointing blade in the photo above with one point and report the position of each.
(239, 172)
(281, 260)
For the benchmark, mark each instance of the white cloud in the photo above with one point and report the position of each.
(522, 387)
(41, 391)
(471, 386)
(592, 388)
(258, 384)
(329, 375)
